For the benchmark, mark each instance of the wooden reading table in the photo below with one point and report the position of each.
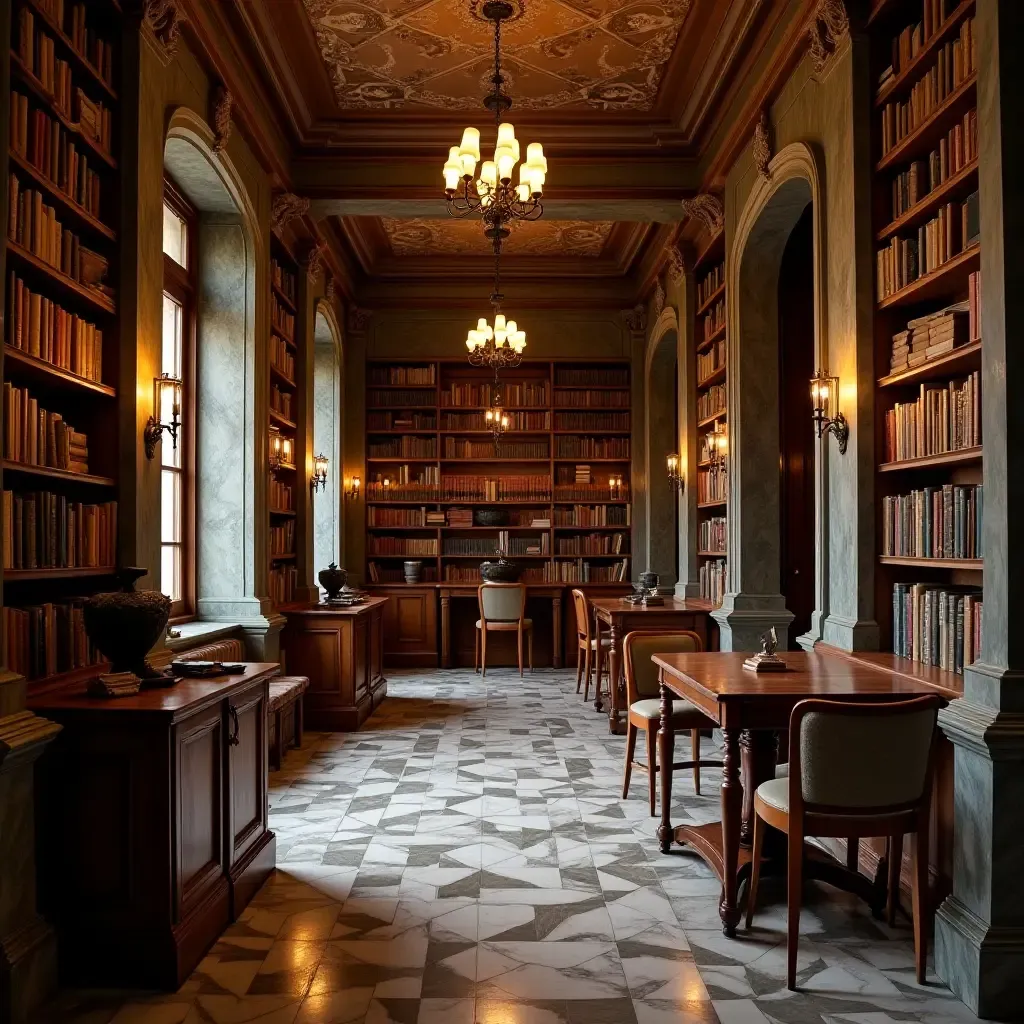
(751, 709)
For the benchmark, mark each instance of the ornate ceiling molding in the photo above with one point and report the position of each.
(675, 264)
(828, 30)
(314, 260)
(163, 20)
(359, 319)
(223, 102)
(286, 207)
(761, 147)
(658, 298)
(636, 318)
(706, 208)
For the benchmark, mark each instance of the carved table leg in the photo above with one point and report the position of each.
(758, 756)
(598, 697)
(616, 699)
(732, 815)
(446, 633)
(666, 756)
(556, 617)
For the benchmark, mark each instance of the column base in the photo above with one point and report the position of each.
(683, 591)
(743, 618)
(982, 964)
(850, 634)
(28, 971)
(263, 637)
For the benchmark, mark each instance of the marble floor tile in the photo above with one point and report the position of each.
(466, 858)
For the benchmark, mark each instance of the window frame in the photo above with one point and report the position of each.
(182, 285)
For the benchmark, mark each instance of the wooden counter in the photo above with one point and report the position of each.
(341, 650)
(152, 815)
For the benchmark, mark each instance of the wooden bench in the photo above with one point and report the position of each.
(284, 708)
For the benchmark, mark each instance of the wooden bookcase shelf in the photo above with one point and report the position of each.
(87, 406)
(938, 490)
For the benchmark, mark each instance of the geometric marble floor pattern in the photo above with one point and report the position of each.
(466, 858)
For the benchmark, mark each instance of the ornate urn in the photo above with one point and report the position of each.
(332, 579)
(501, 571)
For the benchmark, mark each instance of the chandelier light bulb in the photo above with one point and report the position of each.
(471, 143)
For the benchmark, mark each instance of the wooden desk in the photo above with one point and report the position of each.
(341, 650)
(751, 709)
(152, 815)
(551, 591)
(621, 617)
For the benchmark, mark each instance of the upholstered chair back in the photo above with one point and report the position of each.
(861, 756)
(582, 606)
(502, 602)
(641, 672)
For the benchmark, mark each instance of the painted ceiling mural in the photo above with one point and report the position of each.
(438, 54)
(421, 237)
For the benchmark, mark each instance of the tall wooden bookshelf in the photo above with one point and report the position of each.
(283, 412)
(433, 478)
(60, 458)
(929, 445)
(710, 335)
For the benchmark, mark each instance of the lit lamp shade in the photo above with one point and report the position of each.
(167, 399)
(320, 469)
(672, 463)
(452, 169)
(288, 451)
(824, 395)
(276, 447)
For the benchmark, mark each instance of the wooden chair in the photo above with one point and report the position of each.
(592, 647)
(502, 610)
(855, 770)
(642, 696)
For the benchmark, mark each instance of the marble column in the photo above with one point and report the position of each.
(688, 579)
(979, 932)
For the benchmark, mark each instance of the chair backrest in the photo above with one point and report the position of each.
(582, 605)
(501, 602)
(861, 758)
(637, 648)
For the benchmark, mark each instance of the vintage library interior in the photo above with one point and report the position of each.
(428, 425)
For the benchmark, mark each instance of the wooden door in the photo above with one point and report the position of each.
(246, 756)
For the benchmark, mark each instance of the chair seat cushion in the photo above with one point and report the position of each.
(285, 689)
(775, 793)
(651, 709)
(527, 623)
(605, 642)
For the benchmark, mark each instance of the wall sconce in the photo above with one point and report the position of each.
(166, 399)
(675, 478)
(276, 448)
(319, 478)
(353, 488)
(718, 442)
(825, 409)
(288, 452)
(614, 487)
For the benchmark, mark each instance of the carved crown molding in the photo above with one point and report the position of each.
(314, 260)
(636, 318)
(286, 207)
(223, 102)
(827, 30)
(706, 208)
(761, 148)
(359, 319)
(658, 298)
(675, 264)
(163, 19)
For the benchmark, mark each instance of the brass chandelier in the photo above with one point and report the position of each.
(492, 195)
(499, 346)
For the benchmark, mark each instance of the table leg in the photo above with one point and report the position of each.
(598, 699)
(732, 814)
(758, 757)
(615, 701)
(446, 633)
(556, 618)
(666, 756)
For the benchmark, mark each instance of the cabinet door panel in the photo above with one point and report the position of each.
(247, 765)
(199, 746)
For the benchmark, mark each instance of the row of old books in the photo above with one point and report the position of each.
(281, 401)
(281, 495)
(714, 580)
(406, 447)
(712, 484)
(944, 418)
(402, 376)
(711, 402)
(614, 490)
(39, 327)
(43, 530)
(382, 489)
(593, 515)
(503, 541)
(460, 518)
(378, 515)
(937, 624)
(516, 487)
(954, 63)
(282, 539)
(283, 278)
(406, 475)
(43, 142)
(38, 53)
(592, 544)
(577, 475)
(584, 572)
(281, 357)
(91, 46)
(710, 283)
(36, 437)
(33, 224)
(710, 361)
(712, 534)
(592, 421)
(394, 574)
(395, 399)
(603, 377)
(934, 522)
(283, 580)
(402, 421)
(911, 41)
(517, 421)
(934, 336)
(281, 319)
(714, 319)
(954, 228)
(592, 399)
(401, 547)
(460, 448)
(922, 177)
(45, 639)
(592, 448)
(480, 394)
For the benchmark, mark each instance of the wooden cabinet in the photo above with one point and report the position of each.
(410, 625)
(152, 814)
(341, 651)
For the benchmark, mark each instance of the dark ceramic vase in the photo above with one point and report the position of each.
(650, 580)
(124, 625)
(332, 579)
(501, 571)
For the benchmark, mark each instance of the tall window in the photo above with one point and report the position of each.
(177, 560)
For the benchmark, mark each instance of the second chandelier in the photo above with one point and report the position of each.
(492, 194)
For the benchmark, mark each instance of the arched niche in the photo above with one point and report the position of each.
(328, 388)
(230, 458)
(661, 430)
(776, 202)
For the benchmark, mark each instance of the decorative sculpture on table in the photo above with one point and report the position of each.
(332, 579)
(767, 660)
